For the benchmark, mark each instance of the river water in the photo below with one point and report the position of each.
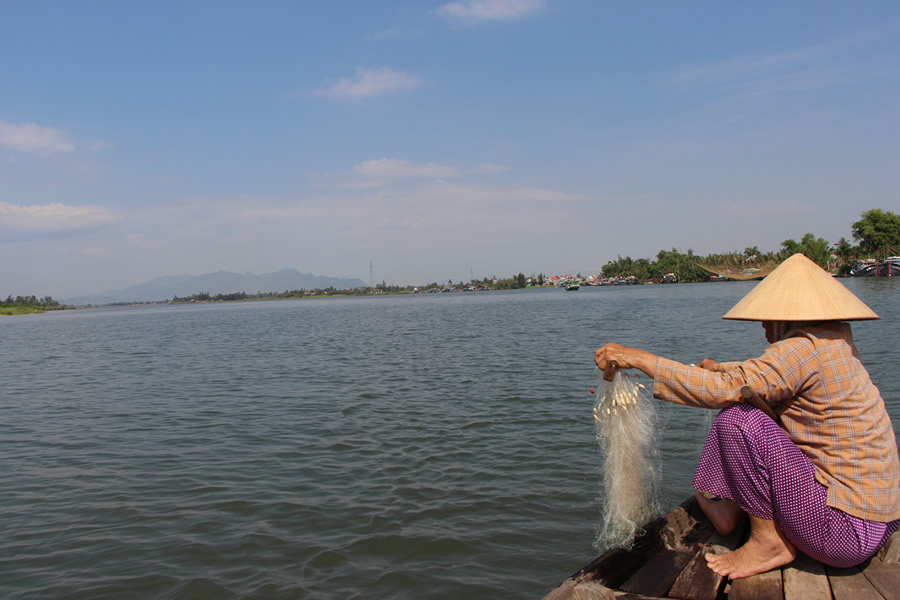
(428, 446)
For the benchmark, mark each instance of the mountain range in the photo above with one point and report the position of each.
(221, 282)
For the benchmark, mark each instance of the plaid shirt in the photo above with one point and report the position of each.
(828, 405)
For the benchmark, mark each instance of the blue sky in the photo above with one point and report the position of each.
(435, 139)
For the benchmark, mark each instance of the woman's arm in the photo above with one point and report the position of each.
(713, 384)
(634, 358)
(708, 385)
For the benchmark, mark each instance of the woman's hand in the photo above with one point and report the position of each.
(612, 353)
(625, 358)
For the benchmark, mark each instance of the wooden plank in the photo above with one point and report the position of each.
(851, 584)
(697, 581)
(805, 579)
(592, 590)
(678, 523)
(615, 566)
(885, 578)
(563, 591)
(669, 559)
(657, 575)
(890, 552)
(764, 586)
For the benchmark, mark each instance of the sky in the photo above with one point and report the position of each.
(432, 140)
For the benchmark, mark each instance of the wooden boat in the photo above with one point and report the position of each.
(872, 268)
(668, 562)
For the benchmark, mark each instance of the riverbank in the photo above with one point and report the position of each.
(9, 310)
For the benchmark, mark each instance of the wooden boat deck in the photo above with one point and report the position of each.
(667, 562)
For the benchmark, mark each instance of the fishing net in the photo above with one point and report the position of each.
(626, 421)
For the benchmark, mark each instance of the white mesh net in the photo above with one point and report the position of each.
(626, 422)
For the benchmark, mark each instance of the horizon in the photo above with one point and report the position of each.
(436, 140)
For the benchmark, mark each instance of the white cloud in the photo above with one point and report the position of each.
(489, 10)
(52, 218)
(421, 214)
(425, 206)
(390, 168)
(490, 169)
(765, 206)
(397, 169)
(34, 138)
(368, 83)
(454, 208)
(847, 60)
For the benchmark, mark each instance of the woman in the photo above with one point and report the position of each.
(827, 480)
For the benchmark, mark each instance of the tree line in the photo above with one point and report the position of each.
(877, 235)
(46, 302)
(236, 296)
(23, 305)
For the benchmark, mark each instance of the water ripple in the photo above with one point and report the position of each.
(383, 447)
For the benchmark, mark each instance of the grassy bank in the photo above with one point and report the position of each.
(19, 309)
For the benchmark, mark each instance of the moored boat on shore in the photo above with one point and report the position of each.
(890, 267)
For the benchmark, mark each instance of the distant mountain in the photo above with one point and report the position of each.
(222, 282)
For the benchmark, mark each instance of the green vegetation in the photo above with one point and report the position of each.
(685, 266)
(26, 305)
(516, 282)
(236, 296)
(877, 234)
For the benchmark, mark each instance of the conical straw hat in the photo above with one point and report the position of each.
(800, 290)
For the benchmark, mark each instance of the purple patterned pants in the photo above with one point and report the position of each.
(750, 460)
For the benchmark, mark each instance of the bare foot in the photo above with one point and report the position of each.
(724, 514)
(766, 549)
